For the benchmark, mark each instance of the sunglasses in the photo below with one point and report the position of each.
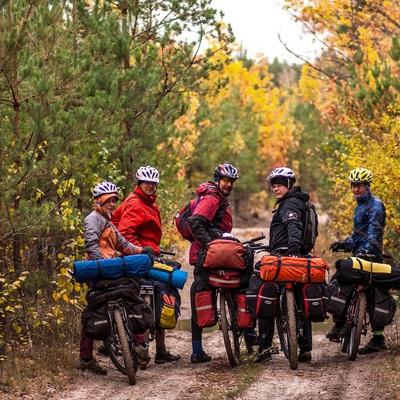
(226, 180)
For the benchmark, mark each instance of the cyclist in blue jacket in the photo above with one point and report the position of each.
(365, 242)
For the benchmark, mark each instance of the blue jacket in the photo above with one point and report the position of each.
(369, 224)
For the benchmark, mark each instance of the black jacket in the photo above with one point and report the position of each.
(286, 230)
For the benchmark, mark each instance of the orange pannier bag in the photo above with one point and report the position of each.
(309, 269)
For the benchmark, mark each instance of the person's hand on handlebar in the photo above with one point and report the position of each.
(148, 250)
(293, 250)
(336, 246)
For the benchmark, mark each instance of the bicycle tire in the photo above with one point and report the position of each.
(291, 328)
(119, 348)
(229, 328)
(281, 325)
(357, 326)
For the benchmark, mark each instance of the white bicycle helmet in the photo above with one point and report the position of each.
(104, 188)
(148, 174)
(226, 170)
(282, 172)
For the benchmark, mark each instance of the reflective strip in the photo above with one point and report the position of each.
(339, 300)
(382, 310)
(104, 321)
(216, 280)
(204, 307)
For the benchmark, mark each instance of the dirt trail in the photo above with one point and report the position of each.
(330, 375)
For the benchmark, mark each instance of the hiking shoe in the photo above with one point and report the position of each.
(101, 351)
(142, 355)
(334, 334)
(91, 365)
(264, 356)
(373, 347)
(250, 340)
(167, 357)
(200, 359)
(304, 356)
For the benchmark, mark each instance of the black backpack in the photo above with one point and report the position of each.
(310, 232)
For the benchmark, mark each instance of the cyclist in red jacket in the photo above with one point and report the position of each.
(138, 219)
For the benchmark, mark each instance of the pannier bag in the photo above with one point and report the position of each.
(245, 318)
(293, 269)
(167, 304)
(224, 253)
(205, 305)
(224, 278)
(95, 322)
(139, 315)
(111, 268)
(97, 296)
(338, 297)
(314, 304)
(168, 274)
(262, 297)
(358, 271)
(383, 308)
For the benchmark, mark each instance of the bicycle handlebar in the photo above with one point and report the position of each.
(388, 256)
(256, 239)
(168, 253)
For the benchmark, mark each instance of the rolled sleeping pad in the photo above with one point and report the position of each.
(111, 268)
(165, 273)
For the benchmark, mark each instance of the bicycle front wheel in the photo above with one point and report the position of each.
(119, 349)
(229, 328)
(357, 325)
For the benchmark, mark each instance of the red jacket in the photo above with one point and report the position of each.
(138, 219)
(211, 218)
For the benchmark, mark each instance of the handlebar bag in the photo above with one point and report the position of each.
(224, 253)
(309, 269)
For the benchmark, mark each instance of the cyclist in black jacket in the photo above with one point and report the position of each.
(286, 233)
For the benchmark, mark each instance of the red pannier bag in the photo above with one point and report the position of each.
(308, 269)
(224, 253)
(206, 308)
(224, 278)
(245, 318)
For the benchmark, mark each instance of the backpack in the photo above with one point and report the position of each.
(182, 218)
(310, 227)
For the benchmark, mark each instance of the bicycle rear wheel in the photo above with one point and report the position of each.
(287, 327)
(119, 348)
(229, 328)
(357, 327)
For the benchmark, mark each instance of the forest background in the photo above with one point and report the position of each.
(91, 90)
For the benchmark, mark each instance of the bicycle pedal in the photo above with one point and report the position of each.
(274, 350)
